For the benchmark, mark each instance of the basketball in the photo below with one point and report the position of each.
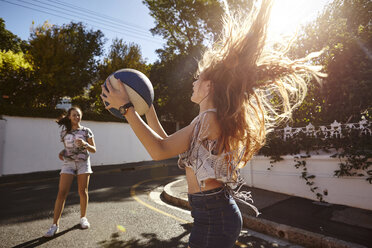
(138, 87)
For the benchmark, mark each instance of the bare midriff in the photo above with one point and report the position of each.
(193, 186)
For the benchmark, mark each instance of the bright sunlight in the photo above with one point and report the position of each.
(288, 15)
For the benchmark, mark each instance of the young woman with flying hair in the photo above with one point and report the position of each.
(78, 142)
(239, 79)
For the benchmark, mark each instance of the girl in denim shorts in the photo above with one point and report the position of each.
(243, 88)
(78, 142)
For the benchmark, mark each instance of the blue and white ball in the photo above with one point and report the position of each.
(139, 89)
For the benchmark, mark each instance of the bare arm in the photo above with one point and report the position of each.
(154, 123)
(91, 145)
(157, 146)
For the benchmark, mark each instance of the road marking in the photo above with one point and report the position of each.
(134, 196)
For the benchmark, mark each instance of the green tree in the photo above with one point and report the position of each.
(188, 24)
(10, 41)
(184, 24)
(122, 55)
(65, 60)
(16, 70)
(16, 80)
(344, 30)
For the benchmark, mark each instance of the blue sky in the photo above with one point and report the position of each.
(126, 19)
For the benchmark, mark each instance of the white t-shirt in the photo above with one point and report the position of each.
(72, 151)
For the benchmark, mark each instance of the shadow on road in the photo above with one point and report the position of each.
(42, 240)
(39, 196)
(149, 240)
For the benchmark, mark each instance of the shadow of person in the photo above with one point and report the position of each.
(150, 240)
(42, 240)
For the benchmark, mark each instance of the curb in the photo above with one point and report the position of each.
(295, 235)
(292, 234)
(168, 196)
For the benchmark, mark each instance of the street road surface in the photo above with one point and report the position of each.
(125, 210)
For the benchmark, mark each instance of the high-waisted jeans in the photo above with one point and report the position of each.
(217, 219)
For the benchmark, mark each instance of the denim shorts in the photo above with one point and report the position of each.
(76, 167)
(217, 219)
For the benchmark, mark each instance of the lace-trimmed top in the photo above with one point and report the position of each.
(202, 158)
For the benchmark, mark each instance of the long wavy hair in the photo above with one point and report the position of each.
(65, 121)
(254, 86)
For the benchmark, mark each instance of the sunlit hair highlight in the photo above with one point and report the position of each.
(255, 86)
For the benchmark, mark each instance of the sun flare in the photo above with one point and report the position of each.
(288, 15)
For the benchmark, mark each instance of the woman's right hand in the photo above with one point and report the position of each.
(114, 97)
(60, 155)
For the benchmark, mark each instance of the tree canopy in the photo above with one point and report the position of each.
(10, 41)
(183, 24)
(65, 60)
(69, 60)
(343, 29)
(15, 69)
(16, 79)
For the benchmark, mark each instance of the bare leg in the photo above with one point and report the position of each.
(83, 183)
(65, 181)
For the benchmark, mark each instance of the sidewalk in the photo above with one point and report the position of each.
(298, 220)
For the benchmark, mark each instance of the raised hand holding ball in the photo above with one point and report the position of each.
(138, 89)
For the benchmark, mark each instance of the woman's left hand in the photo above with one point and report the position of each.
(114, 97)
(80, 143)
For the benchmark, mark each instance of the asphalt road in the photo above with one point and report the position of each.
(125, 210)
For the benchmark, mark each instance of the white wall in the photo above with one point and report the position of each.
(283, 177)
(33, 144)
